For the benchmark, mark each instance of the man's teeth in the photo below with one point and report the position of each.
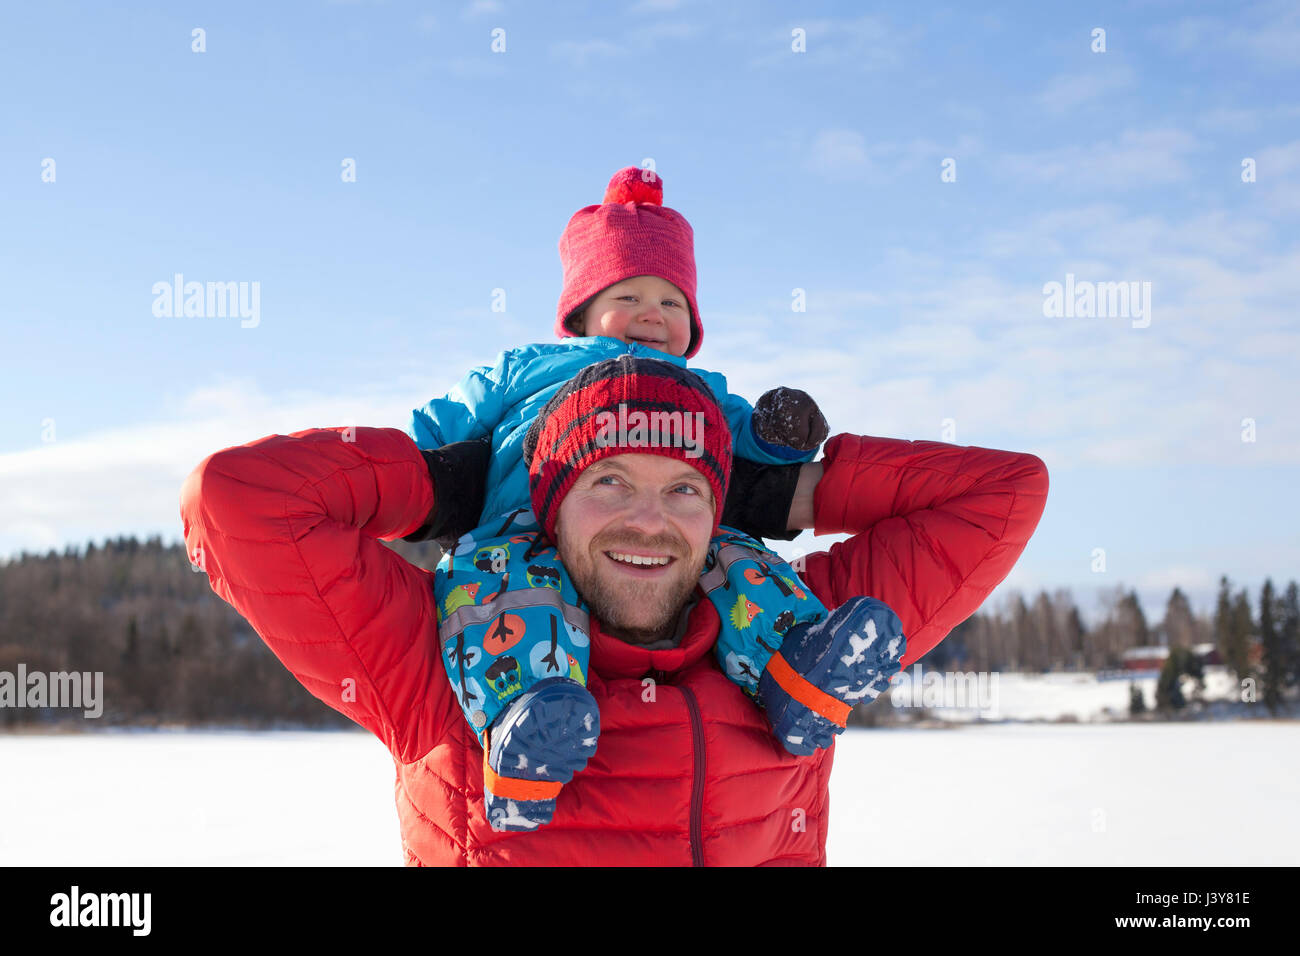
(636, 558)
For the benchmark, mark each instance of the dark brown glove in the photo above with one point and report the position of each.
(789, 417)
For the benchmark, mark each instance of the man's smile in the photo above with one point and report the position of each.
(640, 565)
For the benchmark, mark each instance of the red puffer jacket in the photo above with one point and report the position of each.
(687, 771)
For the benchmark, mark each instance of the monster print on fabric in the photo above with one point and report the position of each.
(759, 598)
(509, 618)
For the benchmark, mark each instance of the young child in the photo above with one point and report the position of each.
(513, 628)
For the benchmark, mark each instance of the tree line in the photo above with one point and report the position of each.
(172, 652)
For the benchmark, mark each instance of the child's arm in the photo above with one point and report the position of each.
(787, 420)
(756, 434)
(471, 409)
(459, 472)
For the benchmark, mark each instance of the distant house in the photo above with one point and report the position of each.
(1207, 654)
(1153, 658)
(1143, 658)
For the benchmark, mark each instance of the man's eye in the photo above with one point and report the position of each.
(603, 478)
(691, 488)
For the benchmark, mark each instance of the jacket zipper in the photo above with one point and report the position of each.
(697, 785)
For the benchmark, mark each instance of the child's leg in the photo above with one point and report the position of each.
(540, 741)
(759, 599)
(805, 667)
(824, 669)
(517, 652)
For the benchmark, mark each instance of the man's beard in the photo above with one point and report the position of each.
(635, 611)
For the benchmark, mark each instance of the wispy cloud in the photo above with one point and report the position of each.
(128, 479)
(1266, 34)
(864, 44)
(1138, 159)
(480, 8)
(1070, 91)
(654, 6)
(953, 338)
(846, 154)
(580, 52)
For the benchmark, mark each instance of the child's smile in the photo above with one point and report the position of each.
(647, 310)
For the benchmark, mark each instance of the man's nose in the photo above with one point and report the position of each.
(646, 514)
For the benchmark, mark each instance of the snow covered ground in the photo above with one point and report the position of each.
(1079, 696)
(1220, 793)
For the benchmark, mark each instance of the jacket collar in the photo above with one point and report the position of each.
(612, 658)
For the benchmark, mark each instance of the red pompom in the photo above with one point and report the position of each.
(633, 184)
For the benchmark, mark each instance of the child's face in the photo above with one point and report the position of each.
(645, 309)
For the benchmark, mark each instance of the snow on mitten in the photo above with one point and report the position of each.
(789, 417)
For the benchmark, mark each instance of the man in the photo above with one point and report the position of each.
(288, 529)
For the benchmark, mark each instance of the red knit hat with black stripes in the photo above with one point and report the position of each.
(630, 233)
(625, 405)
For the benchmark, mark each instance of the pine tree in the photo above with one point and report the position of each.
(1137, 704)
(1169, 691)
(1241, 630)
(1179, 625)
(1223, 619)
(1289, 630)
(1272, 660)
(1075, 633)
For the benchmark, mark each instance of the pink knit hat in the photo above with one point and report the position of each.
(631, 233)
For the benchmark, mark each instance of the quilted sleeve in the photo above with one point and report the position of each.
(288, 529)
(472, 408)
(936, 528)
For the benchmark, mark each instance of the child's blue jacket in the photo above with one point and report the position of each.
(502, 401)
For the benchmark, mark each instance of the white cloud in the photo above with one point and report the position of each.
(1266, 35)
(1137, 160)
(1070, 91)
(836, 151)
(479, 8)
(654, 6)
(951, 337)
(864, 44)
(579, 52)
(1247, 119)
(1278, 160)
(839, 153)
(129, 478)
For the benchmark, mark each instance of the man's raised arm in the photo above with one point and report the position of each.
(287, 528)
(936, 527)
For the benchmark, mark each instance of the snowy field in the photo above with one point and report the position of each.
(1080, 696)
(1217, 794)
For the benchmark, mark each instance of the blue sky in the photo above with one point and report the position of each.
(817, 170)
